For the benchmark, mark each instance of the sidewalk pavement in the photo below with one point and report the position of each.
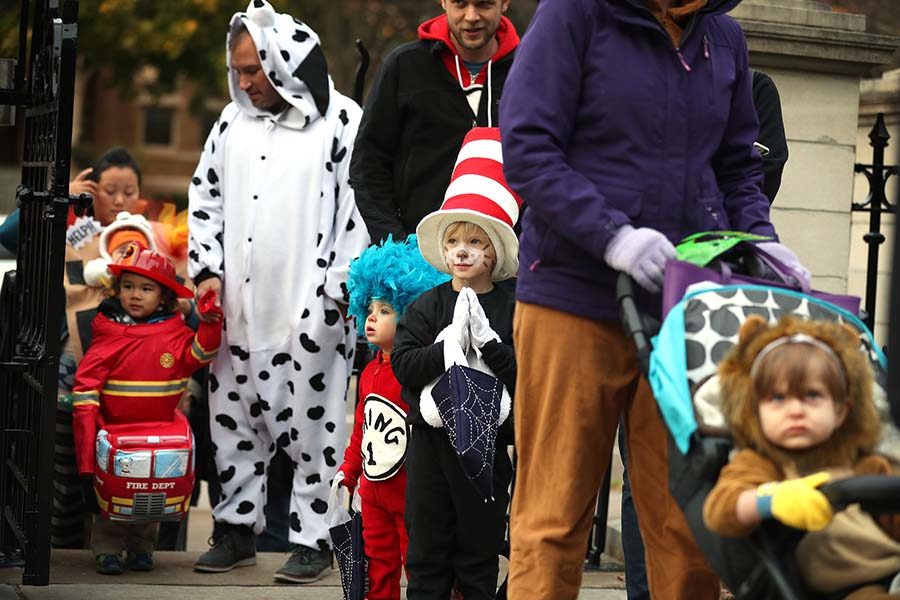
(72, 574)
(72, 577)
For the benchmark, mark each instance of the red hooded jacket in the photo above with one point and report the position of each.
(417, 114)
(438, 29)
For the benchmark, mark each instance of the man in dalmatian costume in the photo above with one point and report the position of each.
(273, 227)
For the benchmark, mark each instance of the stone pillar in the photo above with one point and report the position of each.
(816, 58)
(876, 96)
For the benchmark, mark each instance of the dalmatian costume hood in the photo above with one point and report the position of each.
(273, 216)
(292, 59)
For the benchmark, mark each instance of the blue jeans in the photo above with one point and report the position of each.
(278, 505)
(636, 586)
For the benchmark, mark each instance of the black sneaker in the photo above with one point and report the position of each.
(139, 561)
(305, 565)
(109, 564)
(236, 547)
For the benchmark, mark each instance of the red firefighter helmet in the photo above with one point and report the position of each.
(152, 265)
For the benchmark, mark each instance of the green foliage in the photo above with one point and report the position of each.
(177, 38)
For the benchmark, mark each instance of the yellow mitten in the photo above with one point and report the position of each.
(796, 502)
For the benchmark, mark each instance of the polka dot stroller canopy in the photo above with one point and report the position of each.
(699, 331)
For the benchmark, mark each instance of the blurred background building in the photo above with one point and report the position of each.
(151, 74)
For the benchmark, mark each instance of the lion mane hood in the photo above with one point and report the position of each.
(854, 439)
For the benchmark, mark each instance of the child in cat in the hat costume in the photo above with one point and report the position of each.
(455, 534)
(140, 343)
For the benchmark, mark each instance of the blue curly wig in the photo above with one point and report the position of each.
(393, 272)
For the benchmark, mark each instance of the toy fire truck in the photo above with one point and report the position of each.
(145, 471)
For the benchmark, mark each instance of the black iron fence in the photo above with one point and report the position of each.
(32, 309)
(876, 204)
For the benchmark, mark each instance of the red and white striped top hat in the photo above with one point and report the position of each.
(477, 194)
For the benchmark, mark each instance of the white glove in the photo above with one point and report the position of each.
(461, 320)
(96, 273)
(642, 253)
(790, 260)
(479, 325)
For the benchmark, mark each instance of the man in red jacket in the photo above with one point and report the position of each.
(426, 97)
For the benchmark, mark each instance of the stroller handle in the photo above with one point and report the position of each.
(875, 493)
(633, 321)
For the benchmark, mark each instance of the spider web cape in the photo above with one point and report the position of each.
(468, 401)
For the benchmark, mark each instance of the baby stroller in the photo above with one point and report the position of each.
(694, 336)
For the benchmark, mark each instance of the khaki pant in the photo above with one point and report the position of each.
(575, 377)
(110, 537)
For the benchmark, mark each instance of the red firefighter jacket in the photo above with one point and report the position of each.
(135, 373)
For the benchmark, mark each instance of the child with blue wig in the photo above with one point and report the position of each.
(383, 281)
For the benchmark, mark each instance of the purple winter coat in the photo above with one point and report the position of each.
(605, 122)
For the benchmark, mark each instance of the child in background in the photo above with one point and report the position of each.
(115, 238)
(455, 534)
(383, 281)
(140, 342)
(798, 399)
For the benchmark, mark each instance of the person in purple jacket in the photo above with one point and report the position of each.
(626, 125)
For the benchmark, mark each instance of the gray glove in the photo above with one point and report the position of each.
(790, 260)
(642, 253)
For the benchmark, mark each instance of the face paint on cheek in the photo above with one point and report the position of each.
(476, 257)
(464, 254)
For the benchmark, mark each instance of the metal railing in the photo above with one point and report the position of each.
(876, 204)
(33, 310)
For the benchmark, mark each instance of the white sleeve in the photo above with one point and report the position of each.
(205, 202)
(350, 234)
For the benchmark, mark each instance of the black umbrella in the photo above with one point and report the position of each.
(468, 401)
(347, 540)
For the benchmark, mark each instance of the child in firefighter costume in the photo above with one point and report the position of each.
(135, 371)
(273, 221)
(114, 181)
(383, 281)
(797, 396)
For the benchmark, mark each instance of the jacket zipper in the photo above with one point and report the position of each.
(712, 72)
(687, 32)
(684, 63)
